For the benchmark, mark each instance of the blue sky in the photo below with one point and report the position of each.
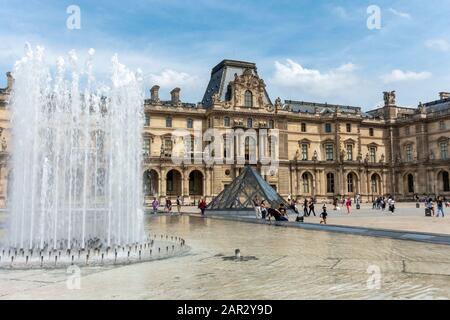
(305, 50)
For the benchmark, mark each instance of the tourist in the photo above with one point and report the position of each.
(257, 206)
(179, 204)
(202, 206)
(155, 205)
(348, 204)
(430, 206)
(263, 210)
(335, 204)
(293, 206)
(168, 206)
(391, 204)
(311, 208)
(305, 208)
(289, 198)
(324, 214)
(440, 207)
(279, 215)
(383, 204)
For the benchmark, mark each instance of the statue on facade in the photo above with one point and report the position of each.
(297, 155)
(216, 98)
(382, 158)
(359, 157)
(4, 144)
(389, 98)
(278, 103)
(431, 155)
(422, 109)
(366, 159)
(315, 156)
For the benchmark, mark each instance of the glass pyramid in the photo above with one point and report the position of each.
(240, 193)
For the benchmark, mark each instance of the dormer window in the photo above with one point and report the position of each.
(248, 99)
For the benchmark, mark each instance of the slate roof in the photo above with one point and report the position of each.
(222, 74)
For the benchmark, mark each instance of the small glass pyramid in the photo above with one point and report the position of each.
(240, 193)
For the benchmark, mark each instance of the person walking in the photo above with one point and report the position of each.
(305, 208)
(440, 207)
(335, 203)
(155, 205)
(324, 214)
(179, 204)
(311, 208)
(263, 210)
(202, 206)
(348, 204)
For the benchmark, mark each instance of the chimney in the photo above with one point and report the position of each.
(175, 93)
(444, 95)
(10, 80)
(154, 93)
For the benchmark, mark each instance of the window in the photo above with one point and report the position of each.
(146, 149)
(410, 183)
(147, 120)
(167, 146)
(328, 127)
(189, 123)
(444, 150)
(348, 127)
(249, 123)
(305, 179)
(271, 124)
(226, 121)
(373, 154)
(407, 131)
(445, 181)
(304, 152)
(248, 98)
(371, 132)
(303, 127)
(442, 125)
(350, 183)
(329, 152)
(169, 122)
(330, 183)
(374, 184)
(409, 152)
(350, 152)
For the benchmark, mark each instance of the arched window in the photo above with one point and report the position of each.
(410, 183)
(330, 183)
(374, 183)
(305, 178)
(350, 183)
(248, 99)
(445, 181)
(169, 122)
(226, 121)
(249, 123)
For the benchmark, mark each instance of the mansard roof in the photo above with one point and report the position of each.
(312, 107)
(222, 75)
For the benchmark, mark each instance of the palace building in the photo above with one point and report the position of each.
(325, 150)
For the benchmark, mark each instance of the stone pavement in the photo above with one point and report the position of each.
(406, 218)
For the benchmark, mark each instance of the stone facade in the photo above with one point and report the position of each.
(324, 150)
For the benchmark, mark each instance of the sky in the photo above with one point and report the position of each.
(305, 50)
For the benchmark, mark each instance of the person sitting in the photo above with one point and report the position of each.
(276, 214)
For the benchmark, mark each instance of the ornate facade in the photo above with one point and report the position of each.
(324, 150)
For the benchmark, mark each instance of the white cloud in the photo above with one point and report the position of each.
(292, 74)
(399, 76)
(438, 44)
(170, 79)
(400, 14)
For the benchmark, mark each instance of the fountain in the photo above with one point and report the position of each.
(76, 162)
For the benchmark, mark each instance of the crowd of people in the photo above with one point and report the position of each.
(304, 208)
